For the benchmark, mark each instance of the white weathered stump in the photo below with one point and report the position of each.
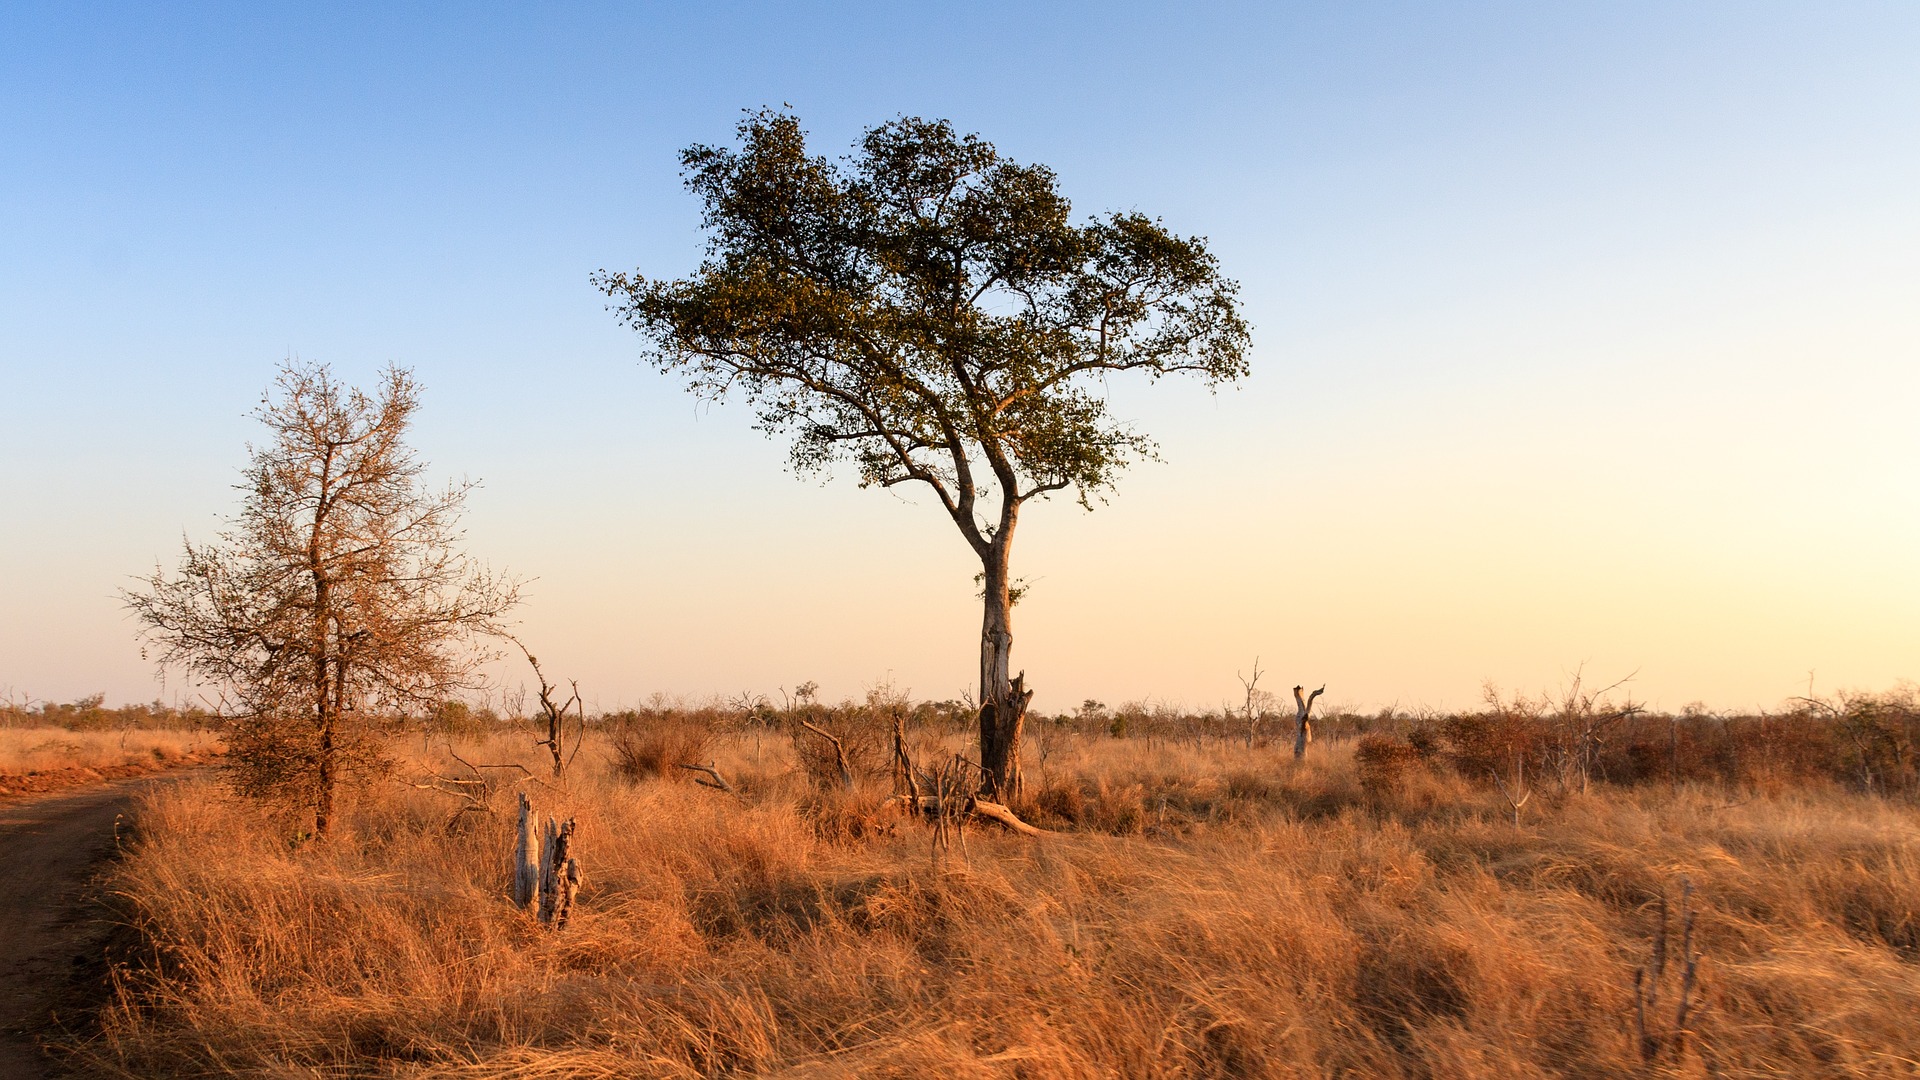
(526, 868)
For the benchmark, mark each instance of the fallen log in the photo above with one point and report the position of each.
(931, 806)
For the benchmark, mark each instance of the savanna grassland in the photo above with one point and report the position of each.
(47, 746)
(1202, 907)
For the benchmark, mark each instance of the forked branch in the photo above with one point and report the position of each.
(839, 753)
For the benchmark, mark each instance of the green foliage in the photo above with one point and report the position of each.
(927, 307)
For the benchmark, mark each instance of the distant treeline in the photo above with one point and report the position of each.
(1867, 742)
(91, 714)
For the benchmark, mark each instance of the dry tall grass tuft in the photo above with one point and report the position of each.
(1213, 912)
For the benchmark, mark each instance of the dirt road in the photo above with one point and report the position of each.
(49, 849)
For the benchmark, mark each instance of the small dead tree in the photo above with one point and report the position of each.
(1303, 719)
(1647, 984)
(904, 780)
(1252, 686)
(553, 715)
(1517, 795)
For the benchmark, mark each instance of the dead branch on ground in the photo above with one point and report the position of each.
(718, 783)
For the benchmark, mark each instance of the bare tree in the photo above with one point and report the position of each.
(1303, 720)
(553, 715)
(335, 595)
(930, 311)
(1256, 699)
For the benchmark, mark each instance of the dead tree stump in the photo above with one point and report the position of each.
(526, 870)
(559, 874)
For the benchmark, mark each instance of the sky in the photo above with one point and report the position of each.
(1586, 337)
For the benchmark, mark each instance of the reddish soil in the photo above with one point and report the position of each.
(16, 786)
(52, 933)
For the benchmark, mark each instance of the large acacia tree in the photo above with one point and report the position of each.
(932, 312)
(337, 594)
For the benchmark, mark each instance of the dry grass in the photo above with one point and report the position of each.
(1210, 912)
(43, 749)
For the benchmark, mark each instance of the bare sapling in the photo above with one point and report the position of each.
(553, 716)
(1518, 795)
(1252, 686)
(904, 780)
(1647, 984)
(337, 594)
(1303, 719)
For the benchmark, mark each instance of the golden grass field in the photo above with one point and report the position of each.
(30, 750)
(1206, 911)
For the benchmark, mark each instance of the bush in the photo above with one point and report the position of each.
(1382, 762)
(657, 746)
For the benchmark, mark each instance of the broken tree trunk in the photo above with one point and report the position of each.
(559, 874)
(1303, 720)
(526, 870)
(1000, 723)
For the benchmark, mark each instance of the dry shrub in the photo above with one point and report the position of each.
(865, 734)
(1382, 762)
(839, 816)
(656, 747)
(1482, 744)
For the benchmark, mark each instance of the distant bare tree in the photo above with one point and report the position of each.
(336, 594)
(1257, 700)
(553, 715)
(1303, 719)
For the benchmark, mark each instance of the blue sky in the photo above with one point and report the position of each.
(1584, 334)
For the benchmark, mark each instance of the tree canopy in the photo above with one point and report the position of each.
(337, 592)
(930, 311)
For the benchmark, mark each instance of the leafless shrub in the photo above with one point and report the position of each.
(655, 747)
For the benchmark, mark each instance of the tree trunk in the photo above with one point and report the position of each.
(559, 874)
(1303, 720)
(323, 780)
(526, 852)
(1003, 695)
